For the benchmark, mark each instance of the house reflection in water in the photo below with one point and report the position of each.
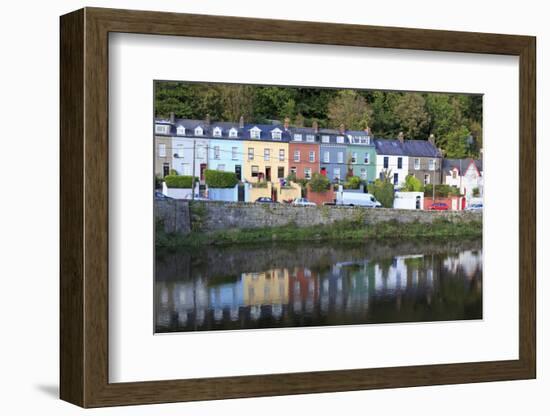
(335, 286)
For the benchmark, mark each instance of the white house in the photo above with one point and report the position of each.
(391, 160)
(466, 175)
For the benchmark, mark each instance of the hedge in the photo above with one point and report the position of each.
(177, 181)
(219, 179)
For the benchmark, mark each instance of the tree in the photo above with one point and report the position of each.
(237, 101)
(413, 118)
(383, 191)
(412, 184)
(350, 109)
(319, 183)
(456, 146)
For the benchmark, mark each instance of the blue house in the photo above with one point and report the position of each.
(226, 150)
(333, 163)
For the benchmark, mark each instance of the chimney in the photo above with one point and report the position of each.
(401, 137)
(172, 117)
(342, 128)
(315, 126)
(367, 130)
(431, 139)
(241, 122)
(207, 121)
(287, 123)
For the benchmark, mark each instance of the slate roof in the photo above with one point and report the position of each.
(414, 148)
(461, 164)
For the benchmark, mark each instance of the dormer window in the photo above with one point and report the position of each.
(255, 133)
(339, 139)
(198, 131)
(233, 132)
(217, 132)
(276, 134)
(297, 137)
(325, 139)
(310, 138)
(161, 128)
(181, 131)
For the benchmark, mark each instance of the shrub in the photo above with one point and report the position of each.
(219, 179)
(319, 183)
(353, 182)
(177, 181)
(173, 172)
(475, 192)
(441, 190)
(259, 184)
(412, 184)
(383, 192)
(291, 177)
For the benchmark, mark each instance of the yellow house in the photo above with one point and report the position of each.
(266, 153)
(266, 288)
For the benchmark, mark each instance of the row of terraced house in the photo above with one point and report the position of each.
(271, 152)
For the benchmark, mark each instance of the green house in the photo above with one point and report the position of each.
(361, 155)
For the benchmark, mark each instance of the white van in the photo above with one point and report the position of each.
(357, 199)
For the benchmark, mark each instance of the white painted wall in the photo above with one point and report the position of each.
(407, 200)
(392, 165)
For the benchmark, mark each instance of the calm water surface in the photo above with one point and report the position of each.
(312, 284)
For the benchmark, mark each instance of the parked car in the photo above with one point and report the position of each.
(264, 200)
(357, 199)
(303, 202)
(197, 198)
(439, 206)
(159, 196)
(475, 207)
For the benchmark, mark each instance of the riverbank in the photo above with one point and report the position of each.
(345, 230)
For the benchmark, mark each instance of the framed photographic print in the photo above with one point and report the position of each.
(255, 207)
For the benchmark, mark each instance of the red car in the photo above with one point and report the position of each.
(439, 206)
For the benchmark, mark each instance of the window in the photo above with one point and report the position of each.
(310, 138)
(416, 163)
(181, 131)
(367, 158)
(216, 152)
(395, 178)
(307, 173)
(293, 170)
(276, 134)
(221, 168)
(267, 155)
(363, 173)
(255, 133)
(254, 172)
(162, 150)
(426, 179)
(233, 132)
(217, 132)
(161, 128)
(339, 139)
(431, 164)
(297, 137)
(325, 139)
(326, 157)
(454, 173)
(280, 172)
(312, 156)
(234, 153)
(399, 163)
(281, 155)
(337, 173)
(354, 157)
(198, 131)
(250, 153)
(201, 151)
(296, 155)
(179, 151)
(386, 162)
(340, 157)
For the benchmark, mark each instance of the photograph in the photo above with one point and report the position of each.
(294, 206)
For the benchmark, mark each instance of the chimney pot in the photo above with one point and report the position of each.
(431, 139)
(287, 123)
(315, 126)
(172, 117)
(342, 128)
(241, 122)
(401, 137)
(207, 121)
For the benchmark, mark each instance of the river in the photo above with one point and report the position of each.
(314, 284)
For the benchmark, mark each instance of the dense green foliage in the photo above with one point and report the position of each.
(441, 190)
(349, 230)
(319, 183)
(353, 182)
(218, 179)
(177, 181)
(383, 192)
(412, 184)
(454, 119)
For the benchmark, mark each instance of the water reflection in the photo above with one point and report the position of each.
(286, 285)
